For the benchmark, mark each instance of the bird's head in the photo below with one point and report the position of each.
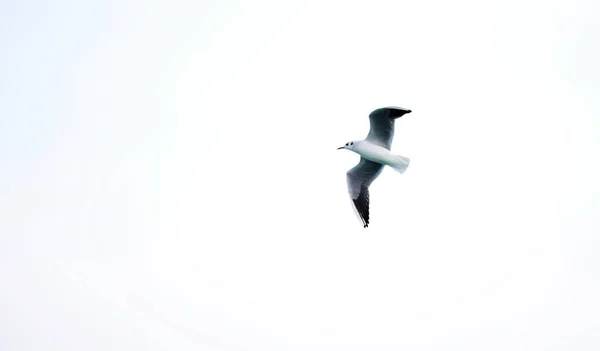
(349, 145)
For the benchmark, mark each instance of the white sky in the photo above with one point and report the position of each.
(171, 180)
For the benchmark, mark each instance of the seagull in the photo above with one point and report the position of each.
(374, 154)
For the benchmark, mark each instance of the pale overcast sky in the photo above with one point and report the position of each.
(170, 178)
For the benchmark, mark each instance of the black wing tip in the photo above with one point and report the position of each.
(362, 206)
(394, 111)
(397, 112)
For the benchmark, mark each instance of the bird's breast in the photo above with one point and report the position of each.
(373, 152)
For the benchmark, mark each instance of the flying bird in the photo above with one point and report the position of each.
(374, 154)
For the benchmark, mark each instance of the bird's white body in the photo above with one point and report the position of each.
(379, 154)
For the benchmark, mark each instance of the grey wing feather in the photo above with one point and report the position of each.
(381, 130)
(359, 179)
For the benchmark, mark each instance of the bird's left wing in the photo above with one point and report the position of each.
(381, 130)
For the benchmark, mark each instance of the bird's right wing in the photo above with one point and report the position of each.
(358, 179)
(382, 125)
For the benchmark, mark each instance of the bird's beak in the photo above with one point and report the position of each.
(340, 147)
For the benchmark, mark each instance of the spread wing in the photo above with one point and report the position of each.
(358, 179)
(382, 125)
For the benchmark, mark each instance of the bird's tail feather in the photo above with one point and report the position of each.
(400, 163)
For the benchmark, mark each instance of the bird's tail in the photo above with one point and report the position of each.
(399, 163)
